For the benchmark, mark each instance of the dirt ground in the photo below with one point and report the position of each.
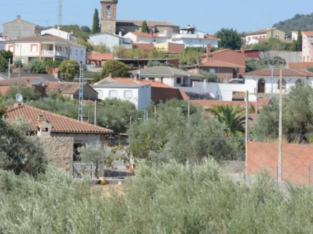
(108, 191)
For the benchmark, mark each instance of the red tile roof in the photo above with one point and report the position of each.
(4, 90)
(308, 33)
(60, 124)
(217, 63)
(286, 72)
(301, 65)
(208, 104)
(211, 37)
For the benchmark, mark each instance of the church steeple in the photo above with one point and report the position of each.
(108, 21)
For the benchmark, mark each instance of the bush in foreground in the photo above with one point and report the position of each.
(171, 198)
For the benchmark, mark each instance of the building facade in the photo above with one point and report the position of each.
(59, 33)
(45, 47)
(307, 46)
(266, 33)
(109, 40)
(19, 28)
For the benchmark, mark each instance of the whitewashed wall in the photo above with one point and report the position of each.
(78, 53)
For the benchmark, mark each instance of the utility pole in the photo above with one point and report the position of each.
(96, 112)
(9, 69)
(247, 131)
(81, 94)
(280, 140)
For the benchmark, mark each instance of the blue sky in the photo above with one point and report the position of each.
(209, 16)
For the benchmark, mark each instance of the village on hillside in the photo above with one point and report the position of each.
(154, 111)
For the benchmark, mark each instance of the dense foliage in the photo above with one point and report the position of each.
(297, 117)
(96, 23)
(301, 22)
(4, 60)
(36, 66)
(69, 69)
(18, 152)
(230, 38)
(163, 136)
(78, 31)
(122, 52)
(144, 27)
(210, 77)
(171, 198)
(272, 44)
(116, 68)
(28, 93)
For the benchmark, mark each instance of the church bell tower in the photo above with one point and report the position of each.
(108, 21)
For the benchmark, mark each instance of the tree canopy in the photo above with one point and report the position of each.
(116, 68)
(4, 60)
(230, 38)
(144, 27)
(69, 69)
(96, 23)
(301, 22)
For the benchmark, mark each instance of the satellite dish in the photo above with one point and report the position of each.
(19, 97)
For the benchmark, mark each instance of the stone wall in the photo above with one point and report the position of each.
(59, 151)
(289, 56)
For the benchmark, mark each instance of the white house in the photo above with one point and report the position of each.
(307, 46)
(110, 40)
(191, 37)
(258, 83)
(46, 47)
(139, 37)
(168, 75)
(59, 33)
(138, 94)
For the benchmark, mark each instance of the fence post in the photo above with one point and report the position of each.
(309, 174)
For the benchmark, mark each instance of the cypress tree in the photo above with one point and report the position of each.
(96, 23)
(299, 41)
(144, 27)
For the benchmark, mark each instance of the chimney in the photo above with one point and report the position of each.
(40, 118)
(243, 49)
(18, 17)
(208, 51)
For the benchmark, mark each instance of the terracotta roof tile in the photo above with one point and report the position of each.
(286, 72)
(217, 63)
(148, 35)
(301, 65)
(62, 87)
(60, 124)
(4, 90)
(155, 84)
(308, 33)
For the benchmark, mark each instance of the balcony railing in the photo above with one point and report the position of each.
(52, 53)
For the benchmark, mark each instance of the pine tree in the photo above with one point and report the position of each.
(299, 41)
(96, 23)
(144, 27)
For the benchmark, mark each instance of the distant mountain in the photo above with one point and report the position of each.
(302, 22)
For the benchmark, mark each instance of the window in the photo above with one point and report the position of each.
(261, 86)
(284, 84)
(178, 80)
(128, 94)
(33, 48)
(212, 70)
(112, 94)
(108, 12)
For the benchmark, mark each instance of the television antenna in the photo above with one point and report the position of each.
(60, 15)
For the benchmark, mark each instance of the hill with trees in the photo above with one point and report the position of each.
(298, 22)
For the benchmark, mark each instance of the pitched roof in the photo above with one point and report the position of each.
(165, 71)
(43, 38)
(60, 124)
(19, 20)
(286, 72)
(149, 23)
(120, 85)
(154, 84)
(261, 31)
(217, 63)
(300, 65)
(27, 80)
(308, 33)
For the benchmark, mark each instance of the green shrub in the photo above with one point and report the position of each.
(36, 66)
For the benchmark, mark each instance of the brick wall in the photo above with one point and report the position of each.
(59, 151)
(295, 160)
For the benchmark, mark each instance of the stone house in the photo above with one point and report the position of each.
(59, 135)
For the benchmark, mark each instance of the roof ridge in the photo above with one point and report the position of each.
(57, 115)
